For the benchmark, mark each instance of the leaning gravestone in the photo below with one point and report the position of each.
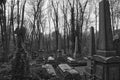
(106, 61)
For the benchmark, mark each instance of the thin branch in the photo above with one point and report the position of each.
(85, 5)
(23, 13)
(69, 3)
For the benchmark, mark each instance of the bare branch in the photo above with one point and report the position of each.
(85, 5)
(69, 3)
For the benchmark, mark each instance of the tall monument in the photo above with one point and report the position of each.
(106, 61)
(105, 43)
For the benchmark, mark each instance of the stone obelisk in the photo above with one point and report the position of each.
(105, 43)
(105, 60)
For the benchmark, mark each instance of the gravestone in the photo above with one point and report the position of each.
(92, 42)
(76, 48)
(68, 73)
(107, 63)
(90, 62)
(105, 43)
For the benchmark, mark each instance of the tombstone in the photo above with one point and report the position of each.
(76, 48)
(105, 60)
(92, 42)
(48, 72)
(90, 62)
(92, 47)
(67, 72)
(51, 60)
(75, 63)
(105, 43)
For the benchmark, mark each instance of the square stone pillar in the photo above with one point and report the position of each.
(106, 62)
(89, 70)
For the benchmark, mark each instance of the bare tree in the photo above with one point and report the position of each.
(4, 30)
(80, 27)
(23, 10)
(12, 20)
(73, 34)
(56, 22)
(37, 24)
(114, 7)
(65, 13)
(18, 16)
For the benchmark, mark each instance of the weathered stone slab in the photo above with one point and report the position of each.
(50, 70)
(68, 72)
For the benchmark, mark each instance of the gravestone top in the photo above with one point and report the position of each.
(105, 42)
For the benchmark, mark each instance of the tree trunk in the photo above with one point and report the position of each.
(23, 9)
(72, 30)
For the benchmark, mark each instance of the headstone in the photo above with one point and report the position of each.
(90, 63)
(92, 42)
(68, 73)
(105, 43)
(76, 48)
(50, 69)
(92, 47)
(75, 63)
(106, 61)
